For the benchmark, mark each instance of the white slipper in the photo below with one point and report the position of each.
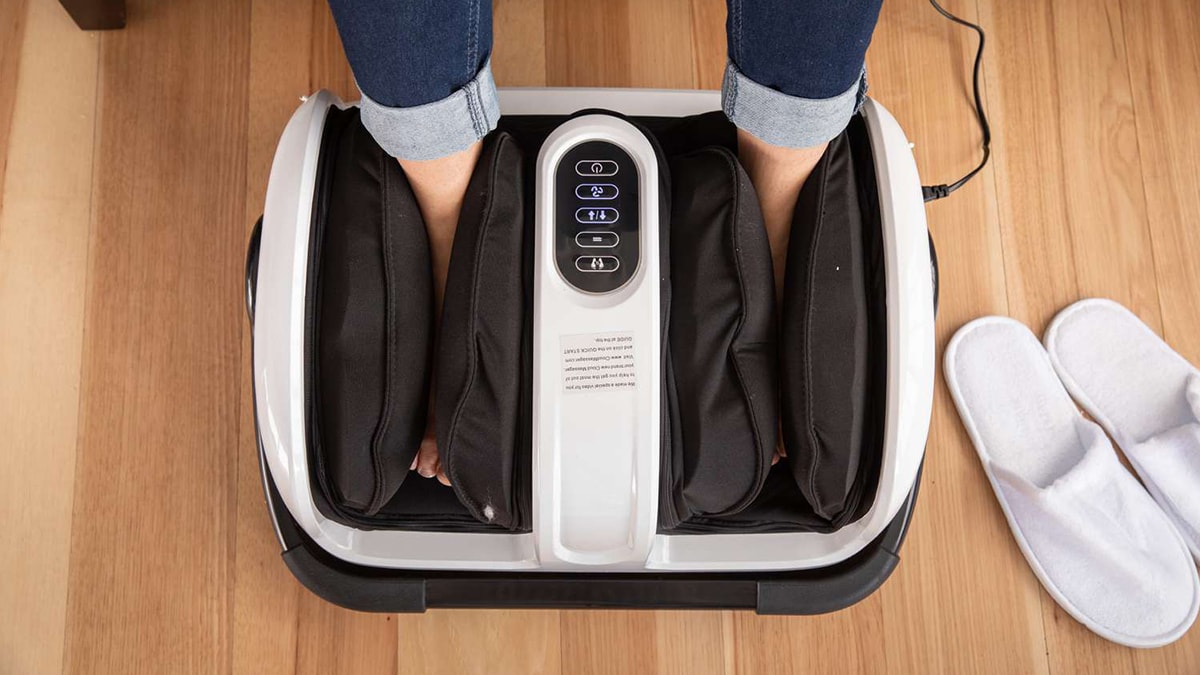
(1094, 538)
(1144, 394)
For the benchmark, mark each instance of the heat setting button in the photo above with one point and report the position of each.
(591, 239)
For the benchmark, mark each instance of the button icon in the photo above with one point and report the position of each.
(596, 191)
(597, 214)
(592, 239)
(596, 167)
(597, 263)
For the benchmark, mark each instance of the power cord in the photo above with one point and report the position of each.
(933, 192)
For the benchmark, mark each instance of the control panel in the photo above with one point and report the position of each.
(597, 346)
(596, 242)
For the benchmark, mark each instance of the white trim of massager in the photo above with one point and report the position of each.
(279, 331)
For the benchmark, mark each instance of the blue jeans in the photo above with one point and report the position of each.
(795, 74)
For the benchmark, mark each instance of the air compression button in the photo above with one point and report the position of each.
(597, 263)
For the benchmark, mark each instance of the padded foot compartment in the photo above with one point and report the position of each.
(730, 360)
(721, 383)
(372, 322)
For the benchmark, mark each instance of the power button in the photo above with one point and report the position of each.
(596, 167)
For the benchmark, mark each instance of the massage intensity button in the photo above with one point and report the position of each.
(592, 191)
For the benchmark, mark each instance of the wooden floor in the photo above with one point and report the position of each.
(133, 536)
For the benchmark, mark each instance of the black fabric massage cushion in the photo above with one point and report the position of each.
(735, 376)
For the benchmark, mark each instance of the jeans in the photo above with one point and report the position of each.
(794, 78)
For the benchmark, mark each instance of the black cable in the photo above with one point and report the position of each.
(932, 192)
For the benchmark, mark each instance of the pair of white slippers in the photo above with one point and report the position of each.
(1113, 555)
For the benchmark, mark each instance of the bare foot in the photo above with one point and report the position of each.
(439, 186)
(777, 173)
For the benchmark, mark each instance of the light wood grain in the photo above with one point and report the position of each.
(660, 44)
(587, 43)
(643, 641)
(480, 641)
(1164, 76)
(266, 599)
(1164, 71)
(985, 615)
(519, 43)
(44, 215)
(132, 525)
(1076, 208)
(708, 43)
(12, 40)
(152, 545)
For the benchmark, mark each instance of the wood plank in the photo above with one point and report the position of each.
(153, 530)
(843, 642)
(330, 639)
(640, 641)
(44, 215)
(709, 52)
(479, 641)
(661, 45)
(1028, 152)
(920, 68)
(587, 44)
(1163, 59)
(1102, 171)
(12, 39)
(519, 43)
(266, 597)
(279, 625)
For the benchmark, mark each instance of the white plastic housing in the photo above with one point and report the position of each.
(279, 377)
(595, 453)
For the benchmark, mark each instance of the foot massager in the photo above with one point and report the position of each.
(611, 372)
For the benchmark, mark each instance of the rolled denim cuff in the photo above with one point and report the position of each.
(435, 129)
(788, 121)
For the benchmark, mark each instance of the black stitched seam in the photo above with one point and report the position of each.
(758, 456)
(389, 355)
(472, 366)
(808, 388)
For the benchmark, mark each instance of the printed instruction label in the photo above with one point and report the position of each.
(598, 362)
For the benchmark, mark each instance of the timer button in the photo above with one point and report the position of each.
(597, 239)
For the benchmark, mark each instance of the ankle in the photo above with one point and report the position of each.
(778, 175)
(440, 186)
